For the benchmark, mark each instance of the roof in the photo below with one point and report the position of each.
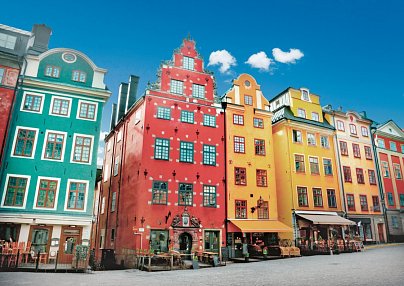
(247, 225)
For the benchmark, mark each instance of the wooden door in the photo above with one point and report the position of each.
(69, 238)
(40, 237)
(380, 230)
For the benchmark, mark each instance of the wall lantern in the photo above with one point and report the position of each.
(197, 176)
(174, 173)
(176, 129)
(145, 173)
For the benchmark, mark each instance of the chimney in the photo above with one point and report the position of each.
(123, 93)
(132, 91)
(41, 35)
(113, 117)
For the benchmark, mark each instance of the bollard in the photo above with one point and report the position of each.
(56, 261)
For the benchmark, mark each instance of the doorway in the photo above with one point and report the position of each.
(185, 240)
(70, 237)
(380, 231)
(40, 238)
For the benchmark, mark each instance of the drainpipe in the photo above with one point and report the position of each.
(379, 178)
(224, 106)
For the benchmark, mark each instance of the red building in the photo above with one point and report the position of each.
(163, 179)
(389, 138)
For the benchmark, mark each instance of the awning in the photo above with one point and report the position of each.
(260, 226)
(327, 219)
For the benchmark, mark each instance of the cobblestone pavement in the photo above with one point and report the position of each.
(376, 266)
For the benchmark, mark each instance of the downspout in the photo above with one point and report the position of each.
(224, 106)
(379, 178)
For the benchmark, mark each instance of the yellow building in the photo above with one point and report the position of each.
(307, 179)
(252, 214)
(358, 173)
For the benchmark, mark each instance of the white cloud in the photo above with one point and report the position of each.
(222, 58)
(260, 61)
(287, 57)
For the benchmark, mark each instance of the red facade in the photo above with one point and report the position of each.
(165, 163)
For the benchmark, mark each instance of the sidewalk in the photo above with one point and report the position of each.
(372, 246)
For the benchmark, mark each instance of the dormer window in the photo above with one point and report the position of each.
(188, 63)
(7, 41)
(79, 76)
(52, 71)
(305, 94)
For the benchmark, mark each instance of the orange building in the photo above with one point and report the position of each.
(252, 213)
(309, 197)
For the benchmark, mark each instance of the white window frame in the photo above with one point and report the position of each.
(62, 156)
(67, 195)
(15, 141)
(106, 172)
(88, 102)
(91, 149)
(103, 205)
(392, 143)
(315, 116)
(380, 140)
(188, 63)
(42, 95)
(366, 133)
(62, 98)
(308, 139)
(327, 140)
(5, 190)
(7, 43)
(300, 112)
(340, 125)
(56, 195)
(119, 136)
(117, 162)
(308, 94)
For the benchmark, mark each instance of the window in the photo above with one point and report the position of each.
(116, 165)
(394, 222)
(340, 125)
(324, 142)
(76, 195)
(159, 193)
(188, 63)
(347, 174)
(380, 143)
(1, 74)
(390, 199)
(299, 163)
(209, 120)
(302, 196)
(262, 180)
(209, 196)
(402, 148)
(317, 197)
(209, 155)
(352, 129)
(186, 152)
(87, 110)
(301, 113)
(343, 146)
(397, 171)
(356, 150)
(187, 116)
(315, 116)
(365, 131)
(185, 194)
(263, 210)
(103, 205)
(401, 200)
(79, 76)
(305, 95)
(314, 169)
(7, 41)
(32, 103)
(350, 201)
(24, 143)
(240, 176)
(241, 209)
(372, 177)
(15, 191)
(376, 204)
(368, 152)
(198, 91)
(113, 202)
(258, 122)
(327, 166)
(238, 119)
(60, 106)
(393, 146)
(162, 149)
(359, 176)
(297, 136)
(112, 233)
(54, 145)
(332, 201)
(385, 169)
(259, 145)
(176, 86)
(52, 71)
(163, 113)
(364, 202)
(248, 100)
(311, 139)
(82, 149)
(239, 144)
(47, 189)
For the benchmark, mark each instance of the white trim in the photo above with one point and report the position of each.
(85, 197)
(62, 94)
(15, 140)
(308, 94)
(66, 61)
(61, 98)
(56, 195)
(62, 157)
(88, 102)
(74, 144)
(317, 212)
(5, 190)
(48, 218)
(42, 95)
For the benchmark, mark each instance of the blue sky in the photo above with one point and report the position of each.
(352, 52)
